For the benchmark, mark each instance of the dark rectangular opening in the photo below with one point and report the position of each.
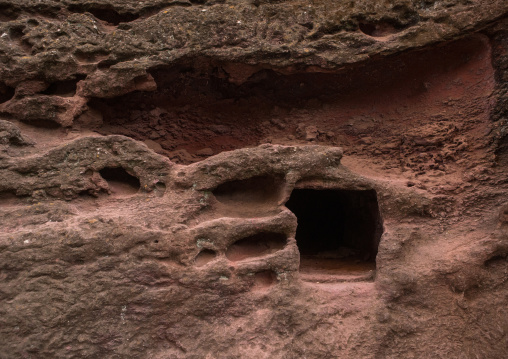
(338, 232)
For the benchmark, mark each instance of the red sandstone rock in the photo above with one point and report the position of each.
(171, 184)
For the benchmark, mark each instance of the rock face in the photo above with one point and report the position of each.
(253, 179)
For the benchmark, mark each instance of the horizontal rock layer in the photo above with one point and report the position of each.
(206, 179)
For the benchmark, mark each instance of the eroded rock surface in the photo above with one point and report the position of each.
(253, 179)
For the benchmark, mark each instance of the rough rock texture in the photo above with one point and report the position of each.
(253, 179)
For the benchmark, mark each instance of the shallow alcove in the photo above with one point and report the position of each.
(120, 182)
(65, 88)
(204, 257)
(8, 198)
(380, 29)
(105, 13)
(338, 231)
(252, 197)
(259, 189)
(160, 189)
(203, 107)
(257, 245)
(264, 280)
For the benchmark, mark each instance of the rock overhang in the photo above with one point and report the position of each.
(201, 249)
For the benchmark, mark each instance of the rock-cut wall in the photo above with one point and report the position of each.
(254, 179)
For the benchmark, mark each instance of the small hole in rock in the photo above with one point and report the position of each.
(264, 280)
(64, 88)
(501, 260)
(120, 182)
(6, 93)
(338, 231)
(9, 198)
(377, 29)
(15, 33)
(367, 29)
(87, 195)
(160, 189)
(8, 12)
(204, 257)
(256, 245)
(501, 151)
(105, 64)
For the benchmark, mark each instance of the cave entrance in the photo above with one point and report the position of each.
(338, 233)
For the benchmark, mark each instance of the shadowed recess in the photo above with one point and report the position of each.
(160, 189)
(16, 32)
(204, 257)
(264, 280)
(337, 229)
(105, 13)
(6, 93)
(497, 261)
(43, 123)
(502, 151)
(8, 198)
(120, 182)
(64, 88)
(257, 245)
(379, 29)
(203, 107)
(260, 189)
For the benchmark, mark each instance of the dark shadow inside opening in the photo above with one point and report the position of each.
(120, 182)
(105, 13)
(338, 230)
(43, 123)
(502, 151)
(203, 107)
(6, 93)
(378, 29)
(65, 88)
